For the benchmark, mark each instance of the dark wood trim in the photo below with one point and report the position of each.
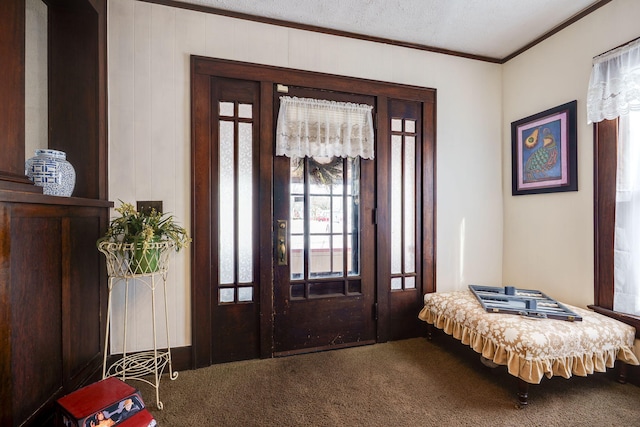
(12, 88)
(6, 382)
(357, 36)
(266, 255)
(617, 47)
(429, 199)
(383, 216)
(51, 326)
(28, 197)
(575, 18)
(605, 137)
(203, 270)
(310, 79)
(180, 359)
(102, 100)
(629, 319)
(318, 29)
(77, 91)
(604, 189)
(77, 34)
(20, 183)
(316, 349)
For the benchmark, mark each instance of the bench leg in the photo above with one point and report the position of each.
(523, 393)
(429, 331)
(622, 372)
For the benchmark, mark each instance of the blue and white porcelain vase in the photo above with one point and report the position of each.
(50, 170)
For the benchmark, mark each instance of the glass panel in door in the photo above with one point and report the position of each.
(324, 201)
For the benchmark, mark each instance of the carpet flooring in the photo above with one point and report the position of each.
(412, 382)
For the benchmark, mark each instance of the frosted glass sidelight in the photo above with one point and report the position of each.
(226, 109)
(245, 294)
(396, 204)
(227, 295)
(226, 204)
(245, 111)
(410, 282)
(404, 170)
(409, 204)
(410, 126)
(245, 202)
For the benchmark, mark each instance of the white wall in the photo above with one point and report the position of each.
(548, 238)
(149, 129)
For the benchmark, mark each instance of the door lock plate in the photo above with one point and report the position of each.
(281, 242)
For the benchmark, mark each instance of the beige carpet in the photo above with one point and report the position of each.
(404, 383)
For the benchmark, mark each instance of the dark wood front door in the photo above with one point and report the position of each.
(324, 286)
(358, 236)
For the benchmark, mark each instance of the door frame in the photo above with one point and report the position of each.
(203, 69)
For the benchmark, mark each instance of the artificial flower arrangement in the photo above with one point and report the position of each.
(143, 233)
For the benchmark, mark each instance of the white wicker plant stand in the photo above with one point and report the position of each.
(138, 268)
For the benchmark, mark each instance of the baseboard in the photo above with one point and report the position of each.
(180, 358)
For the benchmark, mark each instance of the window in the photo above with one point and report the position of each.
(403, 204)
(614, 104)
(606, 153)
(236, 203)
(626, 278)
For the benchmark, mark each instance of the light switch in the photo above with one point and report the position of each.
(146, 206)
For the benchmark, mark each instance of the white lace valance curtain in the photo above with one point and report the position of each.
(614, 87)
(319, 128)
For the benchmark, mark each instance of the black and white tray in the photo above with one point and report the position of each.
(524, 302)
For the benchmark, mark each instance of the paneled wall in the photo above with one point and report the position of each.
(52, 300)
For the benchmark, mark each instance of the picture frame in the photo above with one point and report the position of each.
(544, 151)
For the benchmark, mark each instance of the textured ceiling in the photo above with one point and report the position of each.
(487, 28)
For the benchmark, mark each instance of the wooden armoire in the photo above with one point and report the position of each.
(52, 278)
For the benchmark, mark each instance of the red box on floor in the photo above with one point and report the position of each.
(109, 402)
(142, 418)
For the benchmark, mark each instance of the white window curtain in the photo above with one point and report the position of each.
(614, 87)
(324, 129)
(614, 92)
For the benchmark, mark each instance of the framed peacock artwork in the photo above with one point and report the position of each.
(544, 151)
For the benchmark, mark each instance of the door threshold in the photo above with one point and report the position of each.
(322, 348)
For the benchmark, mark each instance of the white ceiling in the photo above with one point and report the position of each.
(488, 28)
